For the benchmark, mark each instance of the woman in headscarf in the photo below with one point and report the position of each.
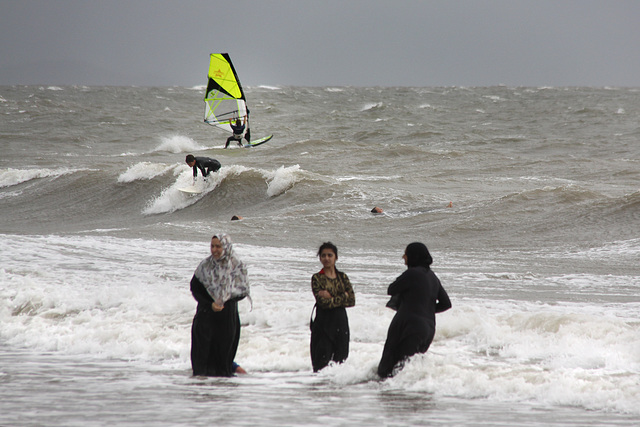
(219, 282)
(417, 295)
(333, 293)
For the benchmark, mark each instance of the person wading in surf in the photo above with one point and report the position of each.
(417, 296)
(333, 293)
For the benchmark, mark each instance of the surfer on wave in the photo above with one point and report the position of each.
(205, 164)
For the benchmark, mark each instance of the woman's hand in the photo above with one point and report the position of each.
(324, 294)
(216, 307)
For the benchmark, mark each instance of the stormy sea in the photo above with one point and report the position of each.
(527, 197)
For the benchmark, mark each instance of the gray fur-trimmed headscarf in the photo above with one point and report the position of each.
(224, 278)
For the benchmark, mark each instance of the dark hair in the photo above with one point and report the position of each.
(418, 255)
(328, 245)
(190, 158)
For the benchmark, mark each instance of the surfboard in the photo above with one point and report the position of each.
(190, 190)
(257, 142)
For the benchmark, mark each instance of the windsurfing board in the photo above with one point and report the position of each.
(257, 142)
(190, 190)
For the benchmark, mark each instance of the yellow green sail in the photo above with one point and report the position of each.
(224, 99)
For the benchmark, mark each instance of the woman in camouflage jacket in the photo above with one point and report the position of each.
(333, 293)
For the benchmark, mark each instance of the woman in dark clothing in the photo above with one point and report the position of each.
(330, 329)
(220, 281)
(417, 295)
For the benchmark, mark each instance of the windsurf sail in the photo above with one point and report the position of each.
(224, 99)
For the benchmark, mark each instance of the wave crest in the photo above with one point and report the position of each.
(146, 171)
(10, 177)
(283, 179)
(178, 144)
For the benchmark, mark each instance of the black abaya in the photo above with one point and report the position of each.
(413, 327)
(214, 335)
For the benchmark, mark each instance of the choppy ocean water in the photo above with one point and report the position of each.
(528, 198)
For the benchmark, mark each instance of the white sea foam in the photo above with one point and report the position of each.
(569, 355)
(178, 144)
(147, 170)
(172, 199)
(611, 250)
(129, 299)
(371, 106)
(369, 178)
(283, 179)
(10, 177)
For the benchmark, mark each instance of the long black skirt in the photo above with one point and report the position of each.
(329, 337)
(400, 345)
(214, 340)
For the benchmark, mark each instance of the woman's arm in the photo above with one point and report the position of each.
(322, 296)
(199, 292)
(401, 283)
(349, 295)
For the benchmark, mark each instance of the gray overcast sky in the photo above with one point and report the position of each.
(322, 42)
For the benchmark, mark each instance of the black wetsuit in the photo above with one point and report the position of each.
(237, 134)
(413, 327)
(214, 335)
(206, 166)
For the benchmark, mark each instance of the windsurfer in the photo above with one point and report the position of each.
(238, 131)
